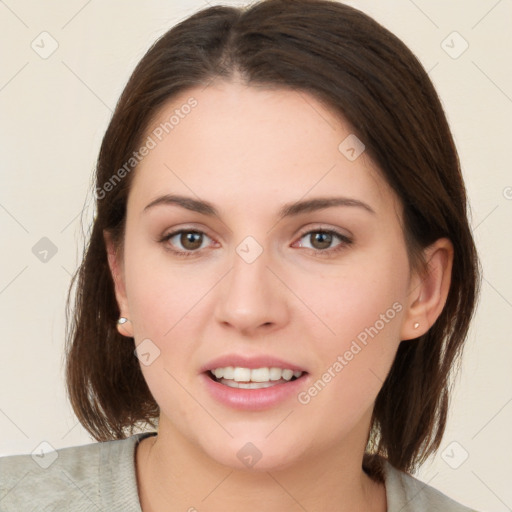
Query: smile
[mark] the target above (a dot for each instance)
(253, 388)
(255, 378)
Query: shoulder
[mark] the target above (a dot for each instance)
(87, 477)
(408, 494)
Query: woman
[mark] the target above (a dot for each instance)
(281, 235)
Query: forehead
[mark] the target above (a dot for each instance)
(273, 144)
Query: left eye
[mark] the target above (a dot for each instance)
(321, 240)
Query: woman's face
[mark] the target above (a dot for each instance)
(260, 276)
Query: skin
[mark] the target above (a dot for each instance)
(248, 151)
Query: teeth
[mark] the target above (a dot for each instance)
(229, 372)
(275, 373)
(219, 372)
(256, 375)
(287, 374)
(260, 375)
(242, 374)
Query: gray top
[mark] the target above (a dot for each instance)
(101, 477)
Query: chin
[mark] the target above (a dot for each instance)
(256, 456)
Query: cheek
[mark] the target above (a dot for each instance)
(166, 303)
(353, 297)
(352, 364)
(162, 296)
(361, 308)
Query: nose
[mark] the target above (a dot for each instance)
(251, 298)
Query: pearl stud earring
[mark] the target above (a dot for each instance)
(416, 325)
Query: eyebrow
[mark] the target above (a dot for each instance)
(287, 210)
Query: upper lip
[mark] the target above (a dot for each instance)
(252, 362)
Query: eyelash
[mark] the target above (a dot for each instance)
(345, 242)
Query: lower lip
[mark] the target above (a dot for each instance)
(253, 399)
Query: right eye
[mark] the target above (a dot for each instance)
(190, 240)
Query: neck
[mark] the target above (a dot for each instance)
(174, 474)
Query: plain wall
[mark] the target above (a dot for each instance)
(54, 112)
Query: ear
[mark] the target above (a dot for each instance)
(428, 290)
(117, 270)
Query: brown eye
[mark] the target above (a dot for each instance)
(321, 239)
(324, 241)
(185, 242)
(191, 240)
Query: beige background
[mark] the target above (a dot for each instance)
(54, 112)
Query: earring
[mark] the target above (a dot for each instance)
(123, 328)
(416, 325)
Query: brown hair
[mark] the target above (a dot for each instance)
(373, 81)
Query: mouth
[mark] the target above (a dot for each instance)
(254, 378)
